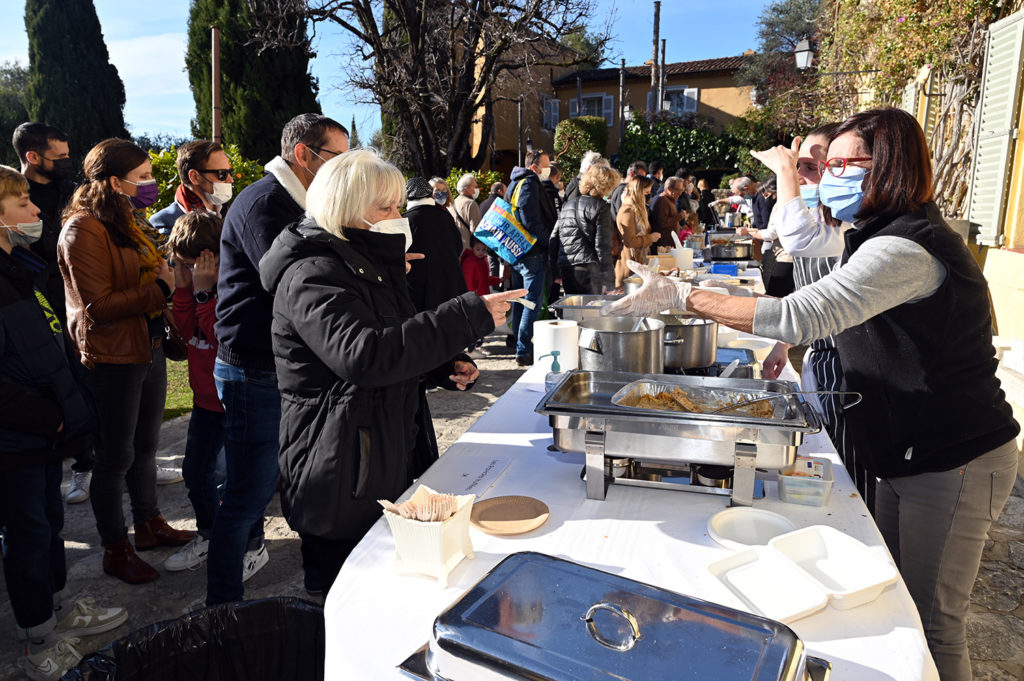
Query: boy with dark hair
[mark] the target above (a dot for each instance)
(195, 245)
(44, 418)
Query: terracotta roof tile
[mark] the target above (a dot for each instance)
(644, 71)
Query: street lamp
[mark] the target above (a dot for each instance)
(804, 54)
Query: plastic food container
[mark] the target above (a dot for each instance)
(801, 572)
(813, 490)
(740, 527)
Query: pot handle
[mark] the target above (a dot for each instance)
(675, 341)
(620, 646)
(589, 340)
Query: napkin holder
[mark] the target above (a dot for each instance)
(432, 548)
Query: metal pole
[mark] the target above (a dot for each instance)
(661, 77)
(654, 59)
(579, 95)
(215, 81)
(520, 107)
(622, 101)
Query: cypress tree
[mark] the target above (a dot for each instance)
(13, 79)
(71, 82)
(260, 92)
(353, 135)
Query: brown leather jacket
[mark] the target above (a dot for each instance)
(106, 306)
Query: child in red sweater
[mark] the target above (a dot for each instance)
(195, 245)
(476, 269)
(477, 272)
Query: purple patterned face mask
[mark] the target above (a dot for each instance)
(147, 193)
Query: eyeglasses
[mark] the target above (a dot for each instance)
(837, 166)
(329, 151)
(222, 173)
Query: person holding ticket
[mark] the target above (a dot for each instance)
(350, 350)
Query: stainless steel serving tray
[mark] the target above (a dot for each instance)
(538, 617)
(579, 307)
(591, 393)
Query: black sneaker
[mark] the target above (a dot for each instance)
(510, 341)
(524, 361)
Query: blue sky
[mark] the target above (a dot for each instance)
(147, 45)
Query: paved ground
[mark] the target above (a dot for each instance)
(996, 627)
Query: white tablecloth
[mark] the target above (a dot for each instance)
(375, 619)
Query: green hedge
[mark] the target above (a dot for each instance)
(583, 134)
(484, 180)
(675, 145)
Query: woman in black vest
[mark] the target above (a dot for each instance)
(910, 310)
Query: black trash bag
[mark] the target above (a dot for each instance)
(273, 639)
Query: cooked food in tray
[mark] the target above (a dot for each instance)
(677, 399)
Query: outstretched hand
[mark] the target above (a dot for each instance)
(656, 294)
(497, 304)
(780, 158)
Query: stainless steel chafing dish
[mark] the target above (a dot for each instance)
(584, 419)
(542, 618)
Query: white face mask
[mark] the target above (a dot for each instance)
(393, 226)
(544, 173)
(221, 193)
(476, 193)
(28, 233)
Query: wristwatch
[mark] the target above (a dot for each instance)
(204, 296)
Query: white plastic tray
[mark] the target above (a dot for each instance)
(801, 572)
(740, 527)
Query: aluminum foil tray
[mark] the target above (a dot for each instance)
(712, 397)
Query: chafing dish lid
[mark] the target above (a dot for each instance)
(538, 617)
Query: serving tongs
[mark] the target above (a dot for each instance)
(755, 400)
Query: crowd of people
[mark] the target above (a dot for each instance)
(318, 309)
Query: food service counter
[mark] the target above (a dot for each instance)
(375, 618)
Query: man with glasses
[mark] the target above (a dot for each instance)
(244, 371)
(206, 178)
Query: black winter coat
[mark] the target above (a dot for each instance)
(438, 277)
(584, 232)
(350, 350)
(39, 372)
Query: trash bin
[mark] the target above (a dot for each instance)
(273, 639)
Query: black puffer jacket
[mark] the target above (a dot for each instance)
(40, 375)
(584, 232)
(350, 350)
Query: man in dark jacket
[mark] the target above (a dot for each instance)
(46, 163)
(666, 218)
(636, 169)
(44, 418)
(244, 371)
(537, 213)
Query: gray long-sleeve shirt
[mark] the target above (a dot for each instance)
(883, 273)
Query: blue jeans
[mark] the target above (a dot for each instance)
(32, 510)
(252, 419)
(533, 270)
(205, 442)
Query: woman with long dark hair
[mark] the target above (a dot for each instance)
(909, 308)
(118, 283)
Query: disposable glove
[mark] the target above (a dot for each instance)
(733, 289)
(657, 293)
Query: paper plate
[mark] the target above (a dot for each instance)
(741, 527)
(509, 515)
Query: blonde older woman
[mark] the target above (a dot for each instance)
(350, 350)
(583, 234)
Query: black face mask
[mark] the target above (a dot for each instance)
(62, 169)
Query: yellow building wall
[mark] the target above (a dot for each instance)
(1013, 227)
(719, 98)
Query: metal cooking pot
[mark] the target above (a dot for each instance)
(632, 284)
(577, 308)
(690, 342)
(731, 252)
(633, 344)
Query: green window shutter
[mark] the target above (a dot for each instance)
(996, 128)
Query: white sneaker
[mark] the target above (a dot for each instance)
(78, 490)
(52, 663)
(190, 556)
(168, 476)
(253, 562)
(478, 353)
(87, 619)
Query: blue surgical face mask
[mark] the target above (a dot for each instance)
(843, 195)
(809, 193)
